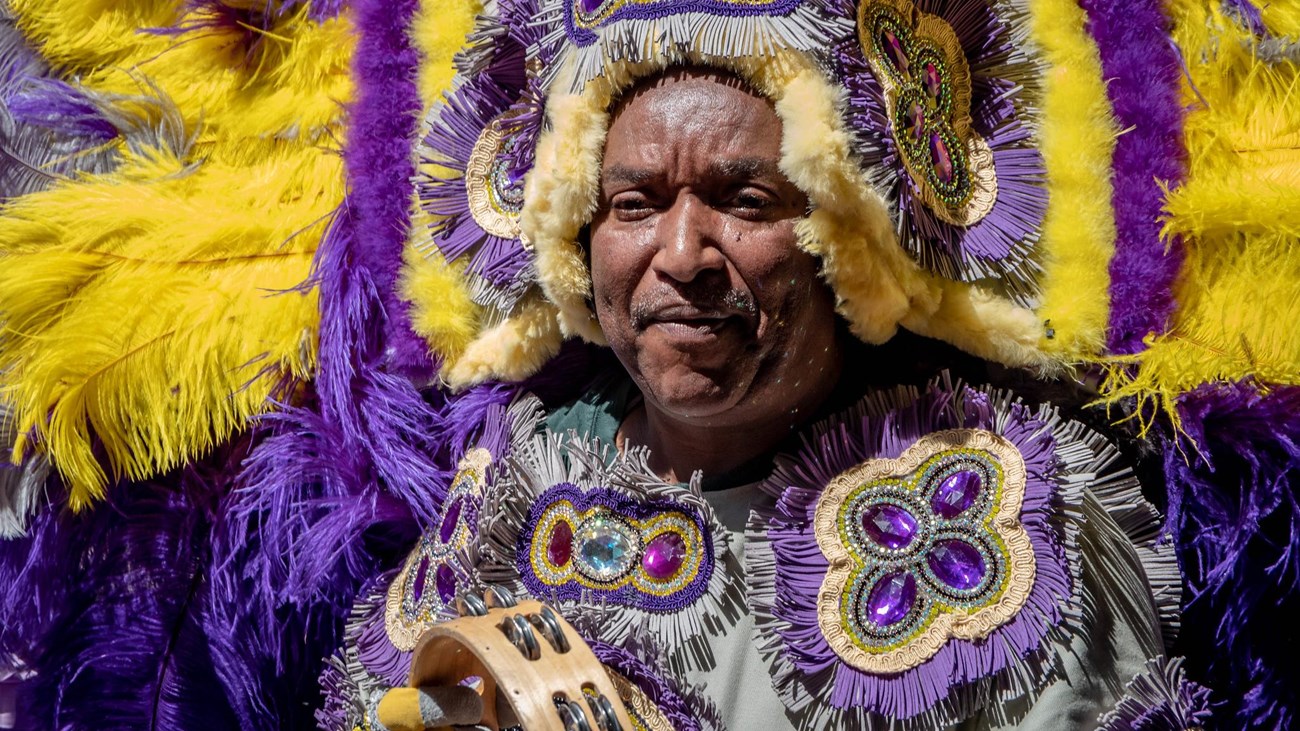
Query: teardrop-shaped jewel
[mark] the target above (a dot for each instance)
(891, 599)
(606, 548)
(421, 576)
(889, 526)
(941, 158)
(445, 580)
(449, 519)
(933, 84)
(957, 564)
(894, 51)
(955, 494)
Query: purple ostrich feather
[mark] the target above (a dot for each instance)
(1001, 244)
(1234, 510)
(1143, 77)
(800, 566)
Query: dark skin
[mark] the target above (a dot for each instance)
(720, 319)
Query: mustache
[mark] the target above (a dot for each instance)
(709, 301)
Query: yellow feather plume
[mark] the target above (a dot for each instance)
(1078, 139)
(156, 308)
(1236, 215)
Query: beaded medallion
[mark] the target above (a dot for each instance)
(919, 62)
(602, 543)
(428, 581)
(923, 548)
(494, 180)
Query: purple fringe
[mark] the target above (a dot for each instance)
(1234, 510)
(657, 687)
(1143, 82)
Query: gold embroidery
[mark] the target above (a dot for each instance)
(948, 623)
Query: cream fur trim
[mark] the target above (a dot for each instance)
(877, 285)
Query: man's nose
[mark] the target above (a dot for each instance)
(688, 244)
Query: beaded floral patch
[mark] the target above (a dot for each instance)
(429, 579)
(919, 63)
(923, 548)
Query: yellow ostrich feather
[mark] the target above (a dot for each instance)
(155, 308)
(1078, 140)
(1236, 215)
(240, 83)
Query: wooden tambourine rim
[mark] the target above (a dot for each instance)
(476, 646)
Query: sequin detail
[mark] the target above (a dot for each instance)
(922, 549)
(922, 69)
(598, 543)
(428, 581)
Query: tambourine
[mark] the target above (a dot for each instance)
(524, 654)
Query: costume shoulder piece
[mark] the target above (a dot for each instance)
(628, 559)
(920, 560)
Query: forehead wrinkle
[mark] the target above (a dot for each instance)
(617, 174)
(745, 168)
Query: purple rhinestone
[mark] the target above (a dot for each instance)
(894, 47)
(560, 549)
(933, 83)
(957, 564)
(941, 158)
(664, 556)
(446, 582)
(891, 599)
(421, 575)
(448, 527)
(889, 526)
(955, 494)
(589, 7)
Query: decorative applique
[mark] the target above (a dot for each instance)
(923, 548)
(943, 98)
(930, 540)
(616, 549)
(585, 16)
(920, 64)
(601, 545)
(428, 582)
(478, 145)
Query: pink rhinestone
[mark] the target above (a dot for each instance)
(560, 549)
(664, 556)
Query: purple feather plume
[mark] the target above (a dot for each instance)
(1141, 68)
(1234, 510)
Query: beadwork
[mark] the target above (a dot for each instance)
(597, 542)
(429, 578)
(920, 64)
(583, 17)
(922, 549)
(493, 184)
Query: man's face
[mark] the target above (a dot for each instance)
(699, 286)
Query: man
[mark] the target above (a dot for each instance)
(729, 346)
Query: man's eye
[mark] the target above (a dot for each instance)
(751, 201)
(629, 203)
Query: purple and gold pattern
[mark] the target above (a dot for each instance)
(929, 539)
(602, 544)
(942, 99)
(923, 548)
(920, 65)
(584, 17)
(428, 582)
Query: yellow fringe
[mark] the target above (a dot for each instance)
(1236, 215)
(1078, 140)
